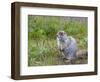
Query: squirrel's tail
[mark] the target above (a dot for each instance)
(81, 53)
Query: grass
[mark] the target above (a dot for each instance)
(42, 46)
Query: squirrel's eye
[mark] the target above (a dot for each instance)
(61, 33)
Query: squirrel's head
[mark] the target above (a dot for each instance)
(62, 36)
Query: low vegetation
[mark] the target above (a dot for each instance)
(42, 46)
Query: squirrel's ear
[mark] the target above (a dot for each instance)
(64, 32)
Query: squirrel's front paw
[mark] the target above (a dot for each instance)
(61, 50)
